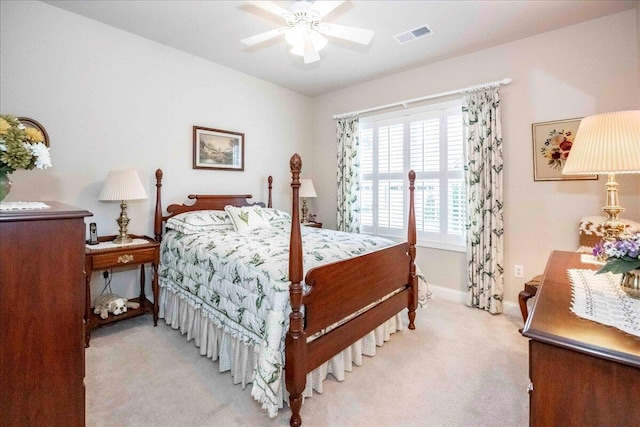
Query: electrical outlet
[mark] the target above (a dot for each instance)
(518, 271)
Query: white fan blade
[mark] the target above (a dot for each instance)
(324, 7)
(270, 6)
(353, 34)
(310, 54)
(262, 37)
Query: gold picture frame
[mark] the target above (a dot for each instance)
(217, 149)
(552, 143)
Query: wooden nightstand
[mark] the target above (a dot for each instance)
(312, 224)
(102, 257)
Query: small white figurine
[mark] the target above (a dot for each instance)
(112, 303)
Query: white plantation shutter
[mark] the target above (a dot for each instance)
(429, 141)
(456, 201)
(366, 168)
(455, 154)
(456, 208)
(425, 145)
(388, 204)
(366, 154)
(427, 196)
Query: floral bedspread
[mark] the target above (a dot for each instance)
(240, 281)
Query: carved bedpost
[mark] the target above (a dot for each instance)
(270, 181)
(411, 238)
(157, 225)
(296, 341)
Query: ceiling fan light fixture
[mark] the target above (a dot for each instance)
(297, 38)
(294, 35)
(304, 30)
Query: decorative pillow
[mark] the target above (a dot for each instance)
(592, 231)
(276, 216)
(247, 217)
(200, 222)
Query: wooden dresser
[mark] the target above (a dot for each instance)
(583, 373)
(42, 305)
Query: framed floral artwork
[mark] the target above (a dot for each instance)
(552, 143)
(217, 149)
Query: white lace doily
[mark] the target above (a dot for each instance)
(110, 245)
(599, 297)
(19, 206)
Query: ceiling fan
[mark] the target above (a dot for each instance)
(304, 30)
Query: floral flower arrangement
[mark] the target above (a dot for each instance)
(556, 148)
(623, 254)
(21, 147)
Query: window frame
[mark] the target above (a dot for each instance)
(443, 110)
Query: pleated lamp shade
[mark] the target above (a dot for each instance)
(307, 189)
(122, 185)
(606, 143)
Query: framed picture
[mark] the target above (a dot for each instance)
(217, 149)
(30, 123)
(552, 143)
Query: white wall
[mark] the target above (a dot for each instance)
(570, 72)
(113, 100)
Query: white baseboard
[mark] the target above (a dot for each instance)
(509, 308)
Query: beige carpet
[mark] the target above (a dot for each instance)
(460, 367)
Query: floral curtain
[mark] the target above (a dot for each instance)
(483, 178)
(348, 217)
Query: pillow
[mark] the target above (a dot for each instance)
(199, 222)
(247, 218)
(592, 231)
(275, 216)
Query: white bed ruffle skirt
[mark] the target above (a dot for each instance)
(241, 358)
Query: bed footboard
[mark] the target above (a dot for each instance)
(339, 290)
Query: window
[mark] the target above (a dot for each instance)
(429, 141)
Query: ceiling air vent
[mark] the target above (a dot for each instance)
(411, 35)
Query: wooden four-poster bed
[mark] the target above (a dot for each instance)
(337, 304)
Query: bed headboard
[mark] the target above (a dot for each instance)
(202, 202)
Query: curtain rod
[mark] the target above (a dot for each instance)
(404, 103)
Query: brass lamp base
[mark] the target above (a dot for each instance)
(305, 211)
(123, 222)
(612, 226)
(122, 240)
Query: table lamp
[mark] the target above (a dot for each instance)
(306, 190)
(607, 143)
(122, 185)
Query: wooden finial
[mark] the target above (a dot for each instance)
(295, 164)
